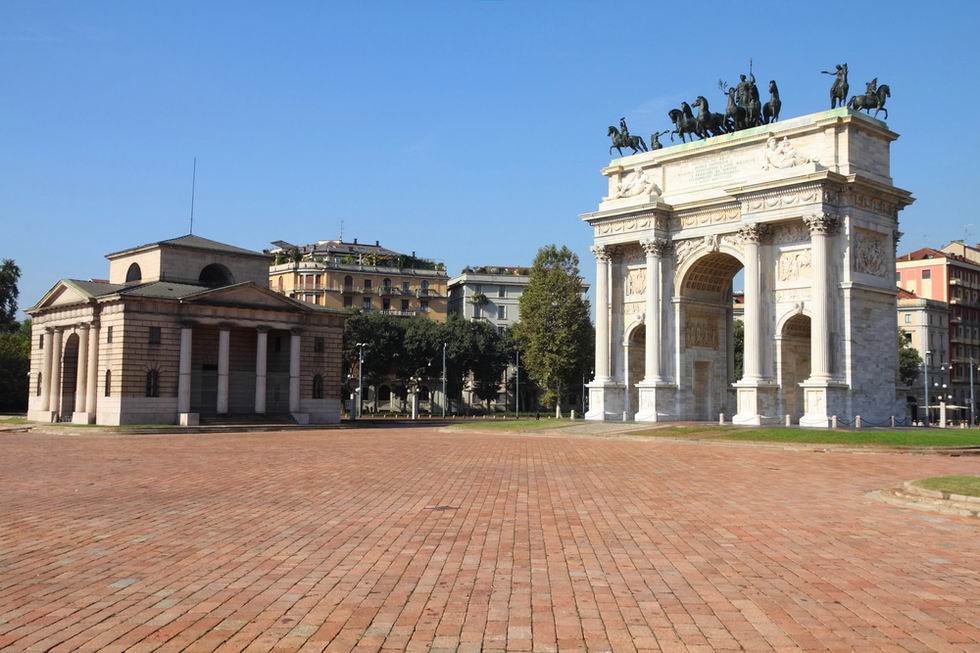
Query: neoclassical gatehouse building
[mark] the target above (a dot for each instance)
(182, 328)
(807, 210)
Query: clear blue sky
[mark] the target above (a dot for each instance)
(469, 132)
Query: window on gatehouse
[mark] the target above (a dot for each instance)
(318, 387)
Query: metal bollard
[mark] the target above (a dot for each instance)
(571, 415)
(892, 421)
(833, 421)
(789, 420)
(626, 417)
(857, 421)
(721, 419)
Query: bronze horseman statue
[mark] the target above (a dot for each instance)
(874, 98)
(622, 138)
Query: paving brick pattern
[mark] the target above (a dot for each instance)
(412, 539)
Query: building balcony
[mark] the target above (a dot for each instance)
(397, 313)
(428, 293)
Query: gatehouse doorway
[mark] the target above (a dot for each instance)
(69, 378)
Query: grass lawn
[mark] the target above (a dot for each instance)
(511, 424)
(13, 420)
(967, 485)
(903, 438)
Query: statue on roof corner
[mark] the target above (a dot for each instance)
(838, 90)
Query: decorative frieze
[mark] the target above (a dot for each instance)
(710, 217)
(793, 232)
(777, 200)
(626, 225)
(794, 265)
(701, 331)
(869, 253)
(636, 282)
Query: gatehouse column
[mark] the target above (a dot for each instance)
(184, 372)
(261, 360)
(224, 344)
(92, 370)
(56, 373)
(294, 357)
(822, 226)
(81, 371)
(601, 313)
(654, 250)
(48, 337)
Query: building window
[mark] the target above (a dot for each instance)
(501, 312)
(908, 337)
(134, 273)
(39, 377)
(405, 287)
(154, 335)
(348, 282)
(152, 383)
(501, 291)
(348, 302)
(279, 282)
(40, 342)
(366, 303)
(367, 285)
(386, 283)
(318, 387)
(277, 344)
(424, 306)
(927, 274)
(501, 330)
(318, 344)
(405, 305)
(425, 284)
(108, 382)
(108, 335)
(386, 304)
(908, 319)
(476, 310)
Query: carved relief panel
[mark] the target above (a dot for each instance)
(869, 253)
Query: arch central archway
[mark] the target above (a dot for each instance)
(706, 343)
(69, 377)
(793, 351)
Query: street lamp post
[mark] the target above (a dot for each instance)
(517, 385)
(445, 399)
(360, 377)
(925, 366)
(973, 417)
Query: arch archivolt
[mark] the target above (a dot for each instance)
(788, 314)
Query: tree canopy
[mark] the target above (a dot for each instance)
(555, 333)
(9, 276)
(909, 361)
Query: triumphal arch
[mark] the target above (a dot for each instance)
(807, 211)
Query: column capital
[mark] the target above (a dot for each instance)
(83, 325)
(655, 246)
(226, 326)
(755, 233)
(601, 253)
(48, 329)
(896, 236)
(822, 223)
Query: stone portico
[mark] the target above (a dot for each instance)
(182, 328)
(806, 209)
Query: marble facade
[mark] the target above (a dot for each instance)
(807, 210)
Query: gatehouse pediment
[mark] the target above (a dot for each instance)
(246, 294)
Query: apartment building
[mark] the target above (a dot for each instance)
(337, 274)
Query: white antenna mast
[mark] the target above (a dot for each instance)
(193, 188)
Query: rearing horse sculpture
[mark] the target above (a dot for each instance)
(735, 116)
(684, 122)
(708, 124)
(770, 110)
(876, 101)
(635, 143)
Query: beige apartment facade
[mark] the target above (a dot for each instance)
(183, 328)
(356, 276)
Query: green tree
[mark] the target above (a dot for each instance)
(384, 336)
(557, 338)
(738, 333)
(9, 276)
(15, 365)
(909, 361)
(488, 362)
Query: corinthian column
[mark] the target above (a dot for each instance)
(81, 370)
(46, 368)
(224, 346)
(92, 369)
(822, 226)
(655, 249)
(601, 312)
(751, 236)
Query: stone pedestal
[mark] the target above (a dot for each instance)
(82, 418)
(301, 418)
(756, 402)
(606, 400)
(821, 401)
(43, 416)
(189, 419)
(657, 402)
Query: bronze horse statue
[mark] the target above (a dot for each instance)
(838, 90)
(635, 143)
(876, 101)
(736, 117)
(770, 110)
(708, 124)
(684, 122)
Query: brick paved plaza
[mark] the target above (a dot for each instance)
(414, 539)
